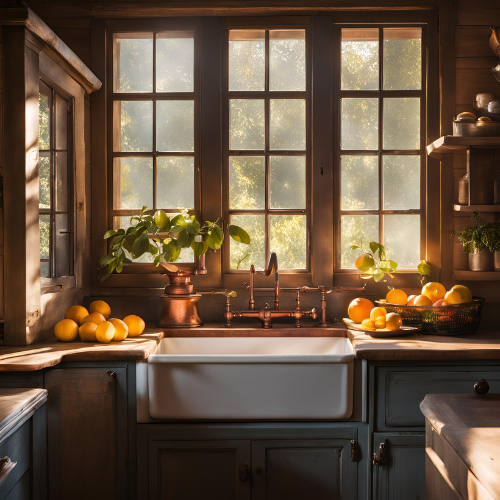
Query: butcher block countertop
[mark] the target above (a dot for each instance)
(480, 346)
(470, 425)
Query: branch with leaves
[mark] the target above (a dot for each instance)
(164, 238)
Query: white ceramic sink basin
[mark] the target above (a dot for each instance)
(251, 378)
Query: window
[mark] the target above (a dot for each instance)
(266, 146)
(55, 185)
(381, 140)
(154, 126)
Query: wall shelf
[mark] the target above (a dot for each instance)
(476, 208)
(455, 144)
(476, 275)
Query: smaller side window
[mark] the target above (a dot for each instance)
(55, 184)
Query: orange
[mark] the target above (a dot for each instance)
(135, 325)
(87, 332)
(411, 300)
(368, 324)
(393, 321)
(377, 311)
(105, 332)
(359, 309)
(380, 322)
(99, 306)
(96, 318)
(76, 313)
(396, 296)
(435, 291)
(66, 330)
(453, 297)
(422, 300)
(464, 292)
(364, 262)
(121, 329)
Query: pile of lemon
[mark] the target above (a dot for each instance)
(373, 318)
(433, 294)
(95, 326)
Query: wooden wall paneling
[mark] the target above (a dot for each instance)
(474, 80)
(22, 263)
(477, 12)
(1, 181)
(476, 62)
(472, 41)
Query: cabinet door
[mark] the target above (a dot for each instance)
(402, 476)
(195, 470)
(299, 469)
(87, 433)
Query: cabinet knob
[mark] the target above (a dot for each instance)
(243, 473)
(481, 387)
(258, 469)
(111, 374)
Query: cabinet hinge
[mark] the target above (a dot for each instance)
(383, 454)
(354, 451)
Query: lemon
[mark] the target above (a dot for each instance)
(396, 296)
(411, 300)
(121, 329)
(135, 325)
(94, 317)
(105, 332)
(393, 321)
(453, 297)
(161, 219)
(368, 324)
(422, 300)
(102, 307)
(66, 330)
(87, 332)
(378, 311)
(76, 313)
(464, 292)
(435, 291)
(380, 322)
(364, 262)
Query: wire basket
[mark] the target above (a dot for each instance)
(453, 319)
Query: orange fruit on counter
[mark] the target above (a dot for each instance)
(380, 322)
(368, 324)
(364, 262)
(464, 292)
(411, 300)
(359, 309)
(393, 321)
(396, 296)
(99, 306)
(66, 330)
(87, 332)
(94, 317)
(76, 313)
(135, 325)
(377, 311)
(121, 329)
(440, 303)
(453, 297)
(422, 300)
(105, 332)
(433, 290)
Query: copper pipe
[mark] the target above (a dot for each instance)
(251, 302)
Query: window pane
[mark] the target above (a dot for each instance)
(247, 181)
(247, 60)
(175, 125)
(402, 58)
(44, 182)
(62, 242)
(175, 182)
(135, 177)
(360, 59)
(243, 256)
(174, 62)
(61, 123)
(44, 223)
(246, 129)
(359, 182)
(133, 63)
(401, 182)
(287, 60)
(402, 239)
(135, 119)
(402, 123)
(356, 230)
(288, 238)
(359, 123)
(61, 181)
(288, 124)
(43, 122)
(288, 181)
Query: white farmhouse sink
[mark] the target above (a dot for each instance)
(250, 378)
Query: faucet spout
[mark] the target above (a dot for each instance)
(273, 266)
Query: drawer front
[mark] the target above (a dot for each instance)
(401, 390)
(17, 448)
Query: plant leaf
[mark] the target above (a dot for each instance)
(105, 276)
(178, 220)
(238, 234)
(354, 247)
(109, 233)
(199, 248)
(140, 246)
(374, 246)
(106, 259)
(184, 239)
(378, 276)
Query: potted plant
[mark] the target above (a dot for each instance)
(164, 237)
(491, 239)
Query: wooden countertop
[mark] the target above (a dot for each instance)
(471, 425)
(479, 346)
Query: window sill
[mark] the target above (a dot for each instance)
(54, 285)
